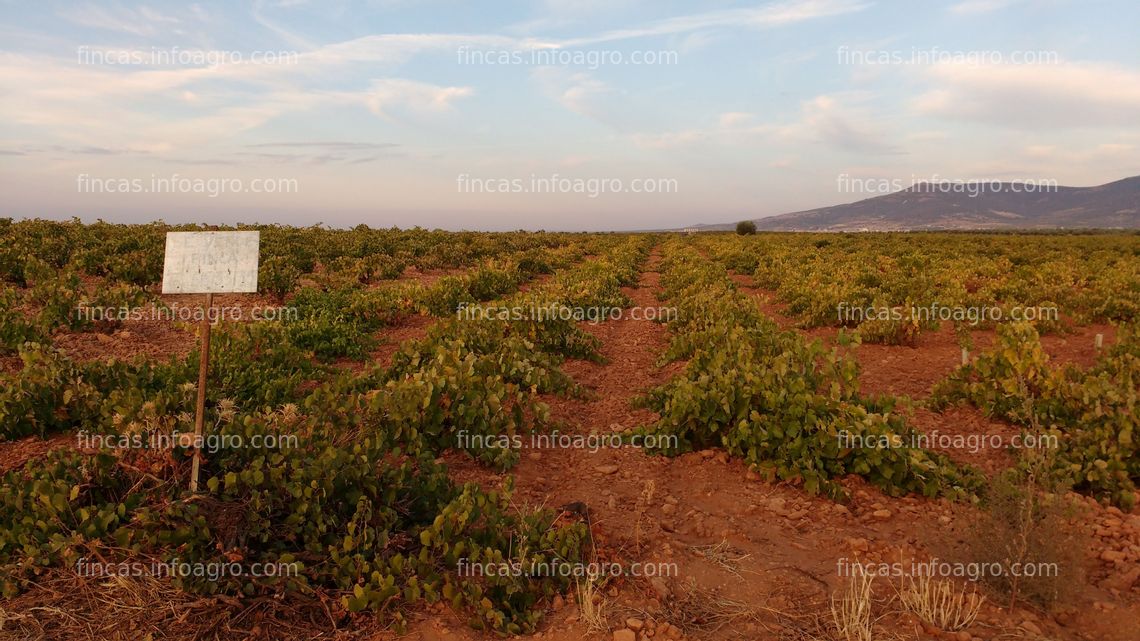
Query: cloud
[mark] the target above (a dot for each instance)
(970, 7)
(328, 145)
(389, 93)
(770, 15)
(731, 128)
(140, 22)
(1067, 95)
(847, 128)
(838, 121)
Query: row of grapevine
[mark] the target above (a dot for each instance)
(1094, 412)
(776, 400)
(357, 506)
(1086, 278)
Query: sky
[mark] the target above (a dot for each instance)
(553, 114)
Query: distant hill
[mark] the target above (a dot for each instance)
(930, 206)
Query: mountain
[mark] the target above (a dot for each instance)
(929, 206)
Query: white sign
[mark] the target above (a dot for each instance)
(205, 262)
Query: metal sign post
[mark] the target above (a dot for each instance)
(207, 263)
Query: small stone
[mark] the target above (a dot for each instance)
(625, 634)
(1030, 627)
(634, 624)
(534, 456)
(1112, 556)
(944, 520)
(660, 587)
(881, 514)
(859, 545)
(606, 469)
(668, 509)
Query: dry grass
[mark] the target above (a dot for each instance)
(940, 603)
(851, 613)
(129, 608)
(723, 555)
(591, 604)
(707, 611)
(644, 501)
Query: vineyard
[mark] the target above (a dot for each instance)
(782, 419)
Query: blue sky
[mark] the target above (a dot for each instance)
(388, 112)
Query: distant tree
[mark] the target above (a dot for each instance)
(746, 228)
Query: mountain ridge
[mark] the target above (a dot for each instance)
(979, 205)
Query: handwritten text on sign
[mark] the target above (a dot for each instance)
(204, 262)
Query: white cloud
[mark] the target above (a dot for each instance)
(1033, 96)
(770, 15)
(843, 126)
(970, 7)
(140, 22)
(409, 94)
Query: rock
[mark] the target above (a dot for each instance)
(707, 454)
(660, 587)
(102, 338)
(1112, 556)
(625, 634)
(944, 520)
(668, 509)
(751, 476)
(534, 456)
(881, 514)
(606, 469)
(1031, 628)
(1125, 581)
(962, 635)
(777, 505)
(558, 603)
(634, 624)
(859, 545)
(673, 632)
